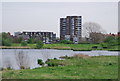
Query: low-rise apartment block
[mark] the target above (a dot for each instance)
(46, 37)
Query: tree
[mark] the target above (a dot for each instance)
(94, 31)
(90, 27)
(96, 37)
(118, 40)
(39, 44)
(111, 40)
(18, 39)
(6, 42)
(6, 39)
(32, 40)
(0, 41)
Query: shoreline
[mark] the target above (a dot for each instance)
(73, 66)
(6, 47)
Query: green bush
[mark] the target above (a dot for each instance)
(52, 64)
(17, 40)
(104, 45)
(6, 39)
(40, 62)
(95, 47)
(22, 67)
(55, 62)
(84, 43)
(66, 42)
(6, 42)
(118, 40)
(32, 41)
(23, 43)
(111, 41)
(39, 44)
(55, 58)
(0, 41)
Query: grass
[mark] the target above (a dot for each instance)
(75, 47)
(99, 67)
(70, 46)
(78, 47)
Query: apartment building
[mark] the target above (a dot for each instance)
(46, 37)
(71, 28)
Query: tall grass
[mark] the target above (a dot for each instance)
(98, 67)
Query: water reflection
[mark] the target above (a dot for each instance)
(16, 58)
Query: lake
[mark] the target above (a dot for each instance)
(11, 57)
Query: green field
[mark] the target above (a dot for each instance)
(99, 67)
(76, 47)
(79, 47)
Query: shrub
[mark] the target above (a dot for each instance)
(95, 47)
(22, 67)
(39, 44)
(55, 62)
(18, 40)
(31, 41)
(0, 41)
(104, 45)
(118, 40)
(6, 39)
(111, 41)
(52, 64)
(84, 43)
(40, 62)
(66, 42)
(55, 58)
(23, 43)
(6, 42)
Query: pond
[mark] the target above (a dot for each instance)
(11, 57)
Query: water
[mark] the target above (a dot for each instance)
(9, 57)
(98, 53)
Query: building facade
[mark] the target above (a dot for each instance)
(71, 28)
(46, 37)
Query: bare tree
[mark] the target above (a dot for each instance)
(22, 60)
(90, 27)
(93, 31)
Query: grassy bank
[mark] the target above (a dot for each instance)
(100, 67)
(80, 47)
(75, 47)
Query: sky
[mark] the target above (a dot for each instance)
(60, 0)
(45, 16)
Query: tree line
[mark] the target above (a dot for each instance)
(93, 33)
(6, 39)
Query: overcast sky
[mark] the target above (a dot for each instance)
(44, 16)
